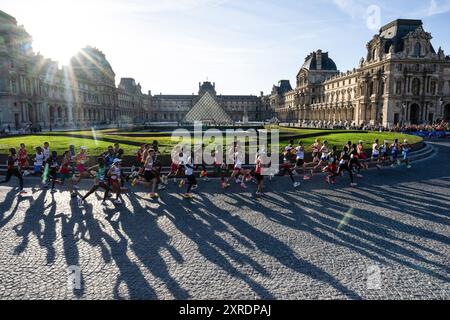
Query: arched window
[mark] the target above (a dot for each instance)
(417, 49)
(398, 87)
(416, 87)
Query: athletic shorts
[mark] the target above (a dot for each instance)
(37, 168)
(362, 156)
(149, 175)
(65, 176)
(300, 162)
(394, 154)
(173, 167)
(81, 168)
(23, 163)
(191, 179)
(324, 158)
(259, 177)
(375, 156)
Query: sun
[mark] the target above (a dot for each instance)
(59, 32)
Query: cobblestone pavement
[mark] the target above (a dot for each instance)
(386, 239)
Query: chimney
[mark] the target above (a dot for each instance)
(319, 59)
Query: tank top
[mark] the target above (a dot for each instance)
(300, 152)
(39, 159)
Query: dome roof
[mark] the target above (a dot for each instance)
(319, 60)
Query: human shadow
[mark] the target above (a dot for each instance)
(147, 240)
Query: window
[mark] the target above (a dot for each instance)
(417, 49)
(433, 87)
(416, 87)
(398, 87)
(13, 86)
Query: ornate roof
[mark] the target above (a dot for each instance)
(207, 109)
(394, 33)
(319, 60)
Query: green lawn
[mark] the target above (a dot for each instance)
(60, 141)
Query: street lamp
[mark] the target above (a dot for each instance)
(403, 112)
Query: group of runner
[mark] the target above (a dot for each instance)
(107, 173)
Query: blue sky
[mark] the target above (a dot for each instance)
(245, 46)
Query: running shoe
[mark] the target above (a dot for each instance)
(194, 187)
(154, 195)
(133, 168)
(409, 166)
(53, 190)
(161, 187)
(306, 177)
(134, 182)
(353, 184)
(297, 184)
(243, 186)
(225, 185)
(117, 201)
(187, 196)
(80, 202)
(378, 167)
(26, 173)
(258, 194)
(22, 193)
(327, 180)
(181, 184)
(360, 176)
(238, 181)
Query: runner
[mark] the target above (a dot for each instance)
(344, 165)
(376, 153)
(238, 171)
(114, 176)
(189, 173)
(109, 156)
(394, 153)
(65, 171)
(175, 166)
(384, 150)
(38, 161)
(316, 146)
(324, 151)
(53, 167)
(23, 160)
(260, 158)
(331, 169)
(354, 161)
(99, 171)
(81, 160)
(300, 160)
(406, 149)
(46, 151)
(14, 170)
(149, 176)
(362, 156)
(287, 167)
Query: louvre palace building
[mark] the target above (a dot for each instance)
(36, 92)
(403, 80)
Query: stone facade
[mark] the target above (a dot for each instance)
(35, 92)
(240, 108)
(403, 80)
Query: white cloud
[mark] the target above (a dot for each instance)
(438, 8)
(351, 8)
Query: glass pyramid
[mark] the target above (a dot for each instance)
(208, 110)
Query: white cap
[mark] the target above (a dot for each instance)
(83, 148)
(117, 160)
